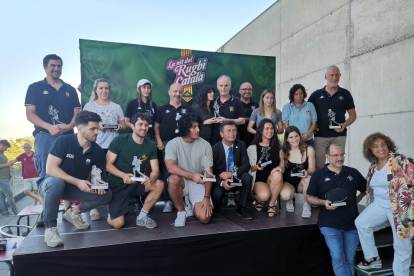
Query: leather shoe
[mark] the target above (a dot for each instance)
(242, 211)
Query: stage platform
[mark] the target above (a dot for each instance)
(228, 245)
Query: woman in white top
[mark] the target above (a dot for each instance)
(389, 198)
(110, 112)
(267, 109)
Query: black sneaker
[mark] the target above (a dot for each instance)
(138, 204)
(242, 211)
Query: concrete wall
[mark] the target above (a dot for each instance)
(371, 41)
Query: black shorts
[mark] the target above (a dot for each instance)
(118, 206)
(294, 181)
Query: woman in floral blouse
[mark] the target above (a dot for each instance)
(390, 183)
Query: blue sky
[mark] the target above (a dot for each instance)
(32, 29)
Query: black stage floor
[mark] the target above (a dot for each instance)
(228, 245)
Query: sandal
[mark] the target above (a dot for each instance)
(372, 264)
(271, 213)
(94, 213)
(258, 205)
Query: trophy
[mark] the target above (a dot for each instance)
(233, 170)
(111, 124)
(265, 156)
(296, 171)
(216, 108)
(205, 163)
(97, 182)
(136, 171)
(331, 116)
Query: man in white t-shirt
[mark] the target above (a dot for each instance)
(186, 157)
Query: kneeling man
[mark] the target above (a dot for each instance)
(68, 165)
(128, 154)
(231, 164)
(186, 156)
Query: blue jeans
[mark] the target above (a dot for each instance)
(6, 192)
(342, 246)
(54, 189)
(43, 142)
(166, 175)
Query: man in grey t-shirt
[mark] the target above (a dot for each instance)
(186, 158)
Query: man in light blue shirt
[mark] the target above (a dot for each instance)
(300, 113)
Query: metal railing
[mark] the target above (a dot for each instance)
(18, 182)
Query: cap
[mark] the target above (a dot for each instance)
(142, 82)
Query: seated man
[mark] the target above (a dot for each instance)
(231, 161)
(120, 165)
(68, 165)
(184, 156)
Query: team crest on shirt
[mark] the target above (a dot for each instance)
(341, 98)
(350, 178)
(167, 111)
(45, 92)
(231, 108)
(321, 97)
(88, 161)
(327, 179)
(182, 110)
(67, 94)
(308, 112)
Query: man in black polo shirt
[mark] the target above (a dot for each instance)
(51, 105)
(69, 164)
(337, 223)
(226, 107)
(166, 129)
(249, 105)
(331, 104)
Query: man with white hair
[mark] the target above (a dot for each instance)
(326, 100)
(29, 173)
(226, 107)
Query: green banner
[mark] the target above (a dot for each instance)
(125, 64)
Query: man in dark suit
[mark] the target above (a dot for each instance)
(230, 159)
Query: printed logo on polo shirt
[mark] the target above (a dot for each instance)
(231, 108)
(308, 112)
(167, 111)
(70, 156)
(88, 161)
(341, 98)
(350, 178)
(327, 179)
(45, 92)
(139, 107)
(182, 110)
(67, 94)
(321, 97)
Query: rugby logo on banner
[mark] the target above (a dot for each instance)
(187, 72)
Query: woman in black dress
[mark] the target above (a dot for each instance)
(267, 180)
(296, 157)
(204, 108)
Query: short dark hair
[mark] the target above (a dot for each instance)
(186, 122)
(84, 117)
(5, 143)
(227, 123)
(140, 115)
(328, 148)
(49, 57)
(293, 90)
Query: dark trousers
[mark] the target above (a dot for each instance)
(217, 192)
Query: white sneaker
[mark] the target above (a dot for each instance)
(289, 206)
(168, 207)
(52, 238)
(189, 207)
(147, 222)
(306, 213)
(77, 220)
(180, 220)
